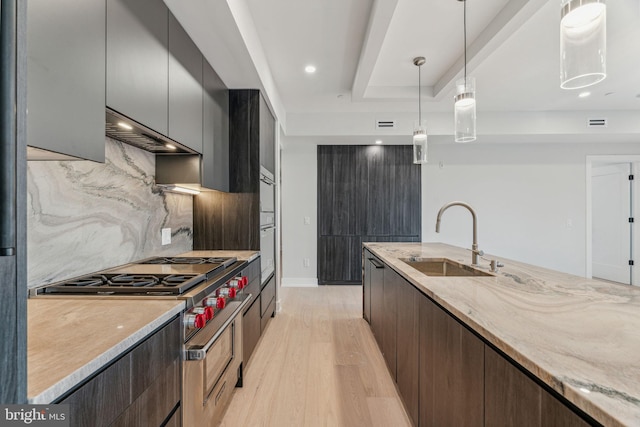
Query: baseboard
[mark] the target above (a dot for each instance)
(299, 282)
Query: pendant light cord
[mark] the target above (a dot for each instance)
(419, 97)
(465, 42)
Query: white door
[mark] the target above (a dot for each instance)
(611, 210)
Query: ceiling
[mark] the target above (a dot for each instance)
(363, 52)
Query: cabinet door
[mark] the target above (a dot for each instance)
(377, 298)
(215, 141)
(392, 281)
(451, 370)
(556, 414)
(366, 286)
(407, 374)
(185, 87)
(66, 74)
(267, 137)
(137, 58)
(250, 330)
(511, 398)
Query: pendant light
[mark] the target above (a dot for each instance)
(465, 99)
(583, 43)
(420, 154)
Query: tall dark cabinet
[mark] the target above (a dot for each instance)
(366, 193)
(13, 190)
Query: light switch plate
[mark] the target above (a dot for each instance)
(166, 236)
(307, 220)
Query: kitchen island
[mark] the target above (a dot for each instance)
(578, 338)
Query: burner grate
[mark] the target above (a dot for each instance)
(134, 280)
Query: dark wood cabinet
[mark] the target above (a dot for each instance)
(250, 330)
(451, 370)
(66, 75)
(377, 298)
(137, 61)
(445, 374)
(365, 194)
(185, 88)
(408, 327)
(215, 141)
(513, 398)
(141, 388)
(391, 283)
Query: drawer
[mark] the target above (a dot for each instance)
(253, 288)
(267, 294)
(266, 317)
(250, 330)
(218, 357)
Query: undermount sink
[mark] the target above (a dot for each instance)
(443, 267)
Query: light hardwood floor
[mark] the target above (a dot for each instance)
(317, 365)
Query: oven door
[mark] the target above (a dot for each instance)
(213, 367)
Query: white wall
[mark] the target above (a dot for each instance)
(299, 200)
(530, 200)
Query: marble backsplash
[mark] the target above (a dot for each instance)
(85, 216)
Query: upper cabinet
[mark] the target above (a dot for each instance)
(66, 74)
(267, 137)
(137, 59)
(215, 143)
(185, 88)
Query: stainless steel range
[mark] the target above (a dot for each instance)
(212, 289)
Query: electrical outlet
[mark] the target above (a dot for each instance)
(307, 220)
(306, 262)
(166, 236)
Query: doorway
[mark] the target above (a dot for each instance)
(612, 237)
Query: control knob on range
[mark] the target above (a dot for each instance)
(207, 311)
(195, 320)
(217, 302)
(235, 284)
(226, 292)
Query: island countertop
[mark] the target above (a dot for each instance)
(579, 336)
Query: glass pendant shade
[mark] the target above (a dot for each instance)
(583, 43)
(465, 110)
(420, 153)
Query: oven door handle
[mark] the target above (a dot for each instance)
(200, 353)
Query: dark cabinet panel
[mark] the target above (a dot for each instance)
(511, 398)
(267, 295)
(66, 75)
(366, 285)
(250, 330)
(451, 371)
(185, 88)
(340, 256)
(142, 388)
(407, 374)
(392, 281)
(366, 192)
(137, 58)
(267, 137)
(377, 299)
(215, 142)
(556, 414)
(244, 141)
(271, 309)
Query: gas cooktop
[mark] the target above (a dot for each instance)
(127, 283)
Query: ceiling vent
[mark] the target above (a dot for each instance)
(385, 124)
(597, 123)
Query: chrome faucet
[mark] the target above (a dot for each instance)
(474, 247)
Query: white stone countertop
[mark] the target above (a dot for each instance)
(579, 336)
(241, 255)
(68, 340)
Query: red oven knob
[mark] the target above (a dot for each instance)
(244, 280)
(236, 284)
(208, 312)
(220, 302)
(195, 320)
(232, 292)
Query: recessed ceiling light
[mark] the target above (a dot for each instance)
(583, 94)
(310, 69)
(378, 141)
(124, 125)
(170, 146)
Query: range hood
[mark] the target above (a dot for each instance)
(178, 168)
(133, 133)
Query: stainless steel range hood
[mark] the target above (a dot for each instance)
(133, 133)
